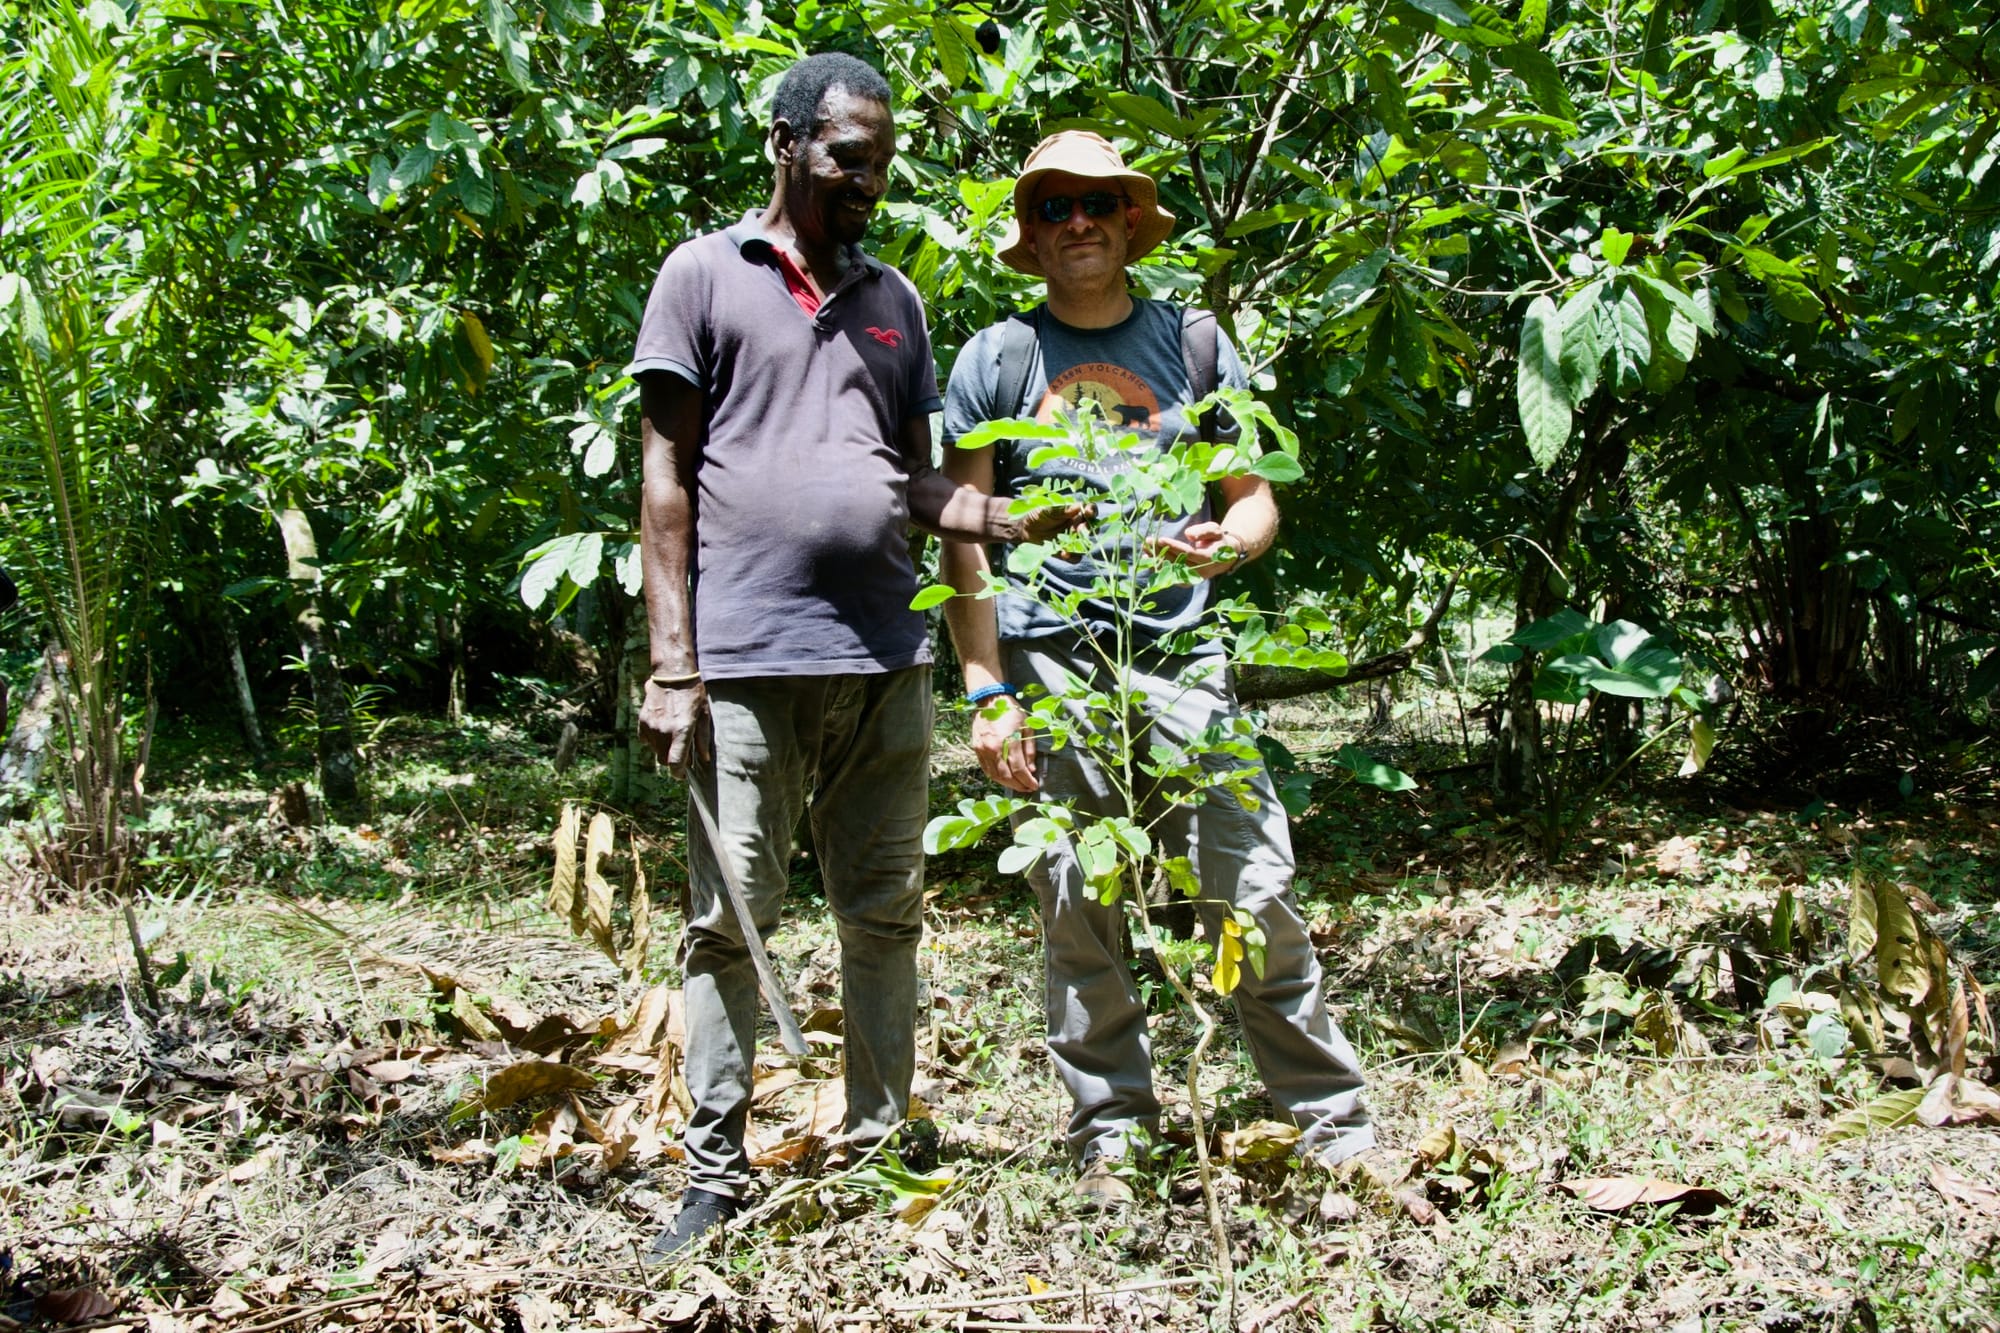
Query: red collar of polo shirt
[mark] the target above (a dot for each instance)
(751, 229)
(796, 282)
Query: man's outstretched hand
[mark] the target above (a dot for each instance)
(1005, 751)
(1046, 523)
(673, 721)
(1207, 549)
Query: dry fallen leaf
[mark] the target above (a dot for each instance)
(75, 1305)
(227, 1303)
(1613, 1194)
(1263, 1141)
(1437, 1146)
(1959, 1101)
(1981, 1198)
(1420, 1210)
(1259, 1320)
(531, 1078)
(1338, 1208)
(472, 1150)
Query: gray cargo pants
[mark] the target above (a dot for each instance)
(861, 745)
(1098, 1037)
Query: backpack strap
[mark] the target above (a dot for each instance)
(1200, 353)
(1018, 342)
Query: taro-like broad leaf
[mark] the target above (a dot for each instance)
(1650, 673)
(1373, 771)
(1563, 632)
(1562, 680)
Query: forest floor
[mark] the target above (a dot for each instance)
(384, 1088)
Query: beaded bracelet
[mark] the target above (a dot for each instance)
(985, 692)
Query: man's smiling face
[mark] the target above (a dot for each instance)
(834, 179)
(1080, 248)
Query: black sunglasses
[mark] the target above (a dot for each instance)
(1096, 204)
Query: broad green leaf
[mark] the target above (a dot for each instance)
(1413, 351)
(1147, 113)
(1734, 163)
(505, 30)
(1562, 680)
(475, 191)
(935, 594)
(949, 833)
(954, 59)
(1614, 245)
(1541, 77)
(1786, 284)
(1278, 469)
(414, 168)
(1650, 673)
(448, 132)
(1534, 19)
(628, 566)
(1630, 343)
(1582, 342)
(1563, 632)
(1351, 290)
(1373, 771)
(1015, 859)
(547, 564)
(1442, 10)
(1539, 388)
(1011, 428)
(1271, 217)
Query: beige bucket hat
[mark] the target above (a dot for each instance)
(1082, 153)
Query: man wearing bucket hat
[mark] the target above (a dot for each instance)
(1080, 217)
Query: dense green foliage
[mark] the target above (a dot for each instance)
(1675, 314)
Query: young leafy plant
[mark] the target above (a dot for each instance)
(1582, 664)
(1113, 573)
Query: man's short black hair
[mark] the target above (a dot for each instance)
(805, 86)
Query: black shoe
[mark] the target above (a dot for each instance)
(702, 1211)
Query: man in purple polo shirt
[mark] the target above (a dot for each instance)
(786, 383)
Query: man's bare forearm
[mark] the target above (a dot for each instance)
(958, 513)
(670, 426)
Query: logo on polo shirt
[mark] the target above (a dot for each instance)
(887, 337)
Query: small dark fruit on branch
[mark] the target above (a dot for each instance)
(988, 34)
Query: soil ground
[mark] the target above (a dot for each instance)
(385, 1088)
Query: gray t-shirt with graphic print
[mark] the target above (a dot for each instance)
(1136, 375)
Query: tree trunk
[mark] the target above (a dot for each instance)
(1518, 748)
(451, 639)
(246, 704)
(34, 732)
(635, 779)
(339, 764)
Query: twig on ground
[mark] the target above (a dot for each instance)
(1027, 1298)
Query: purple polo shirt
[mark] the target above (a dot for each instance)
(802, 559)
